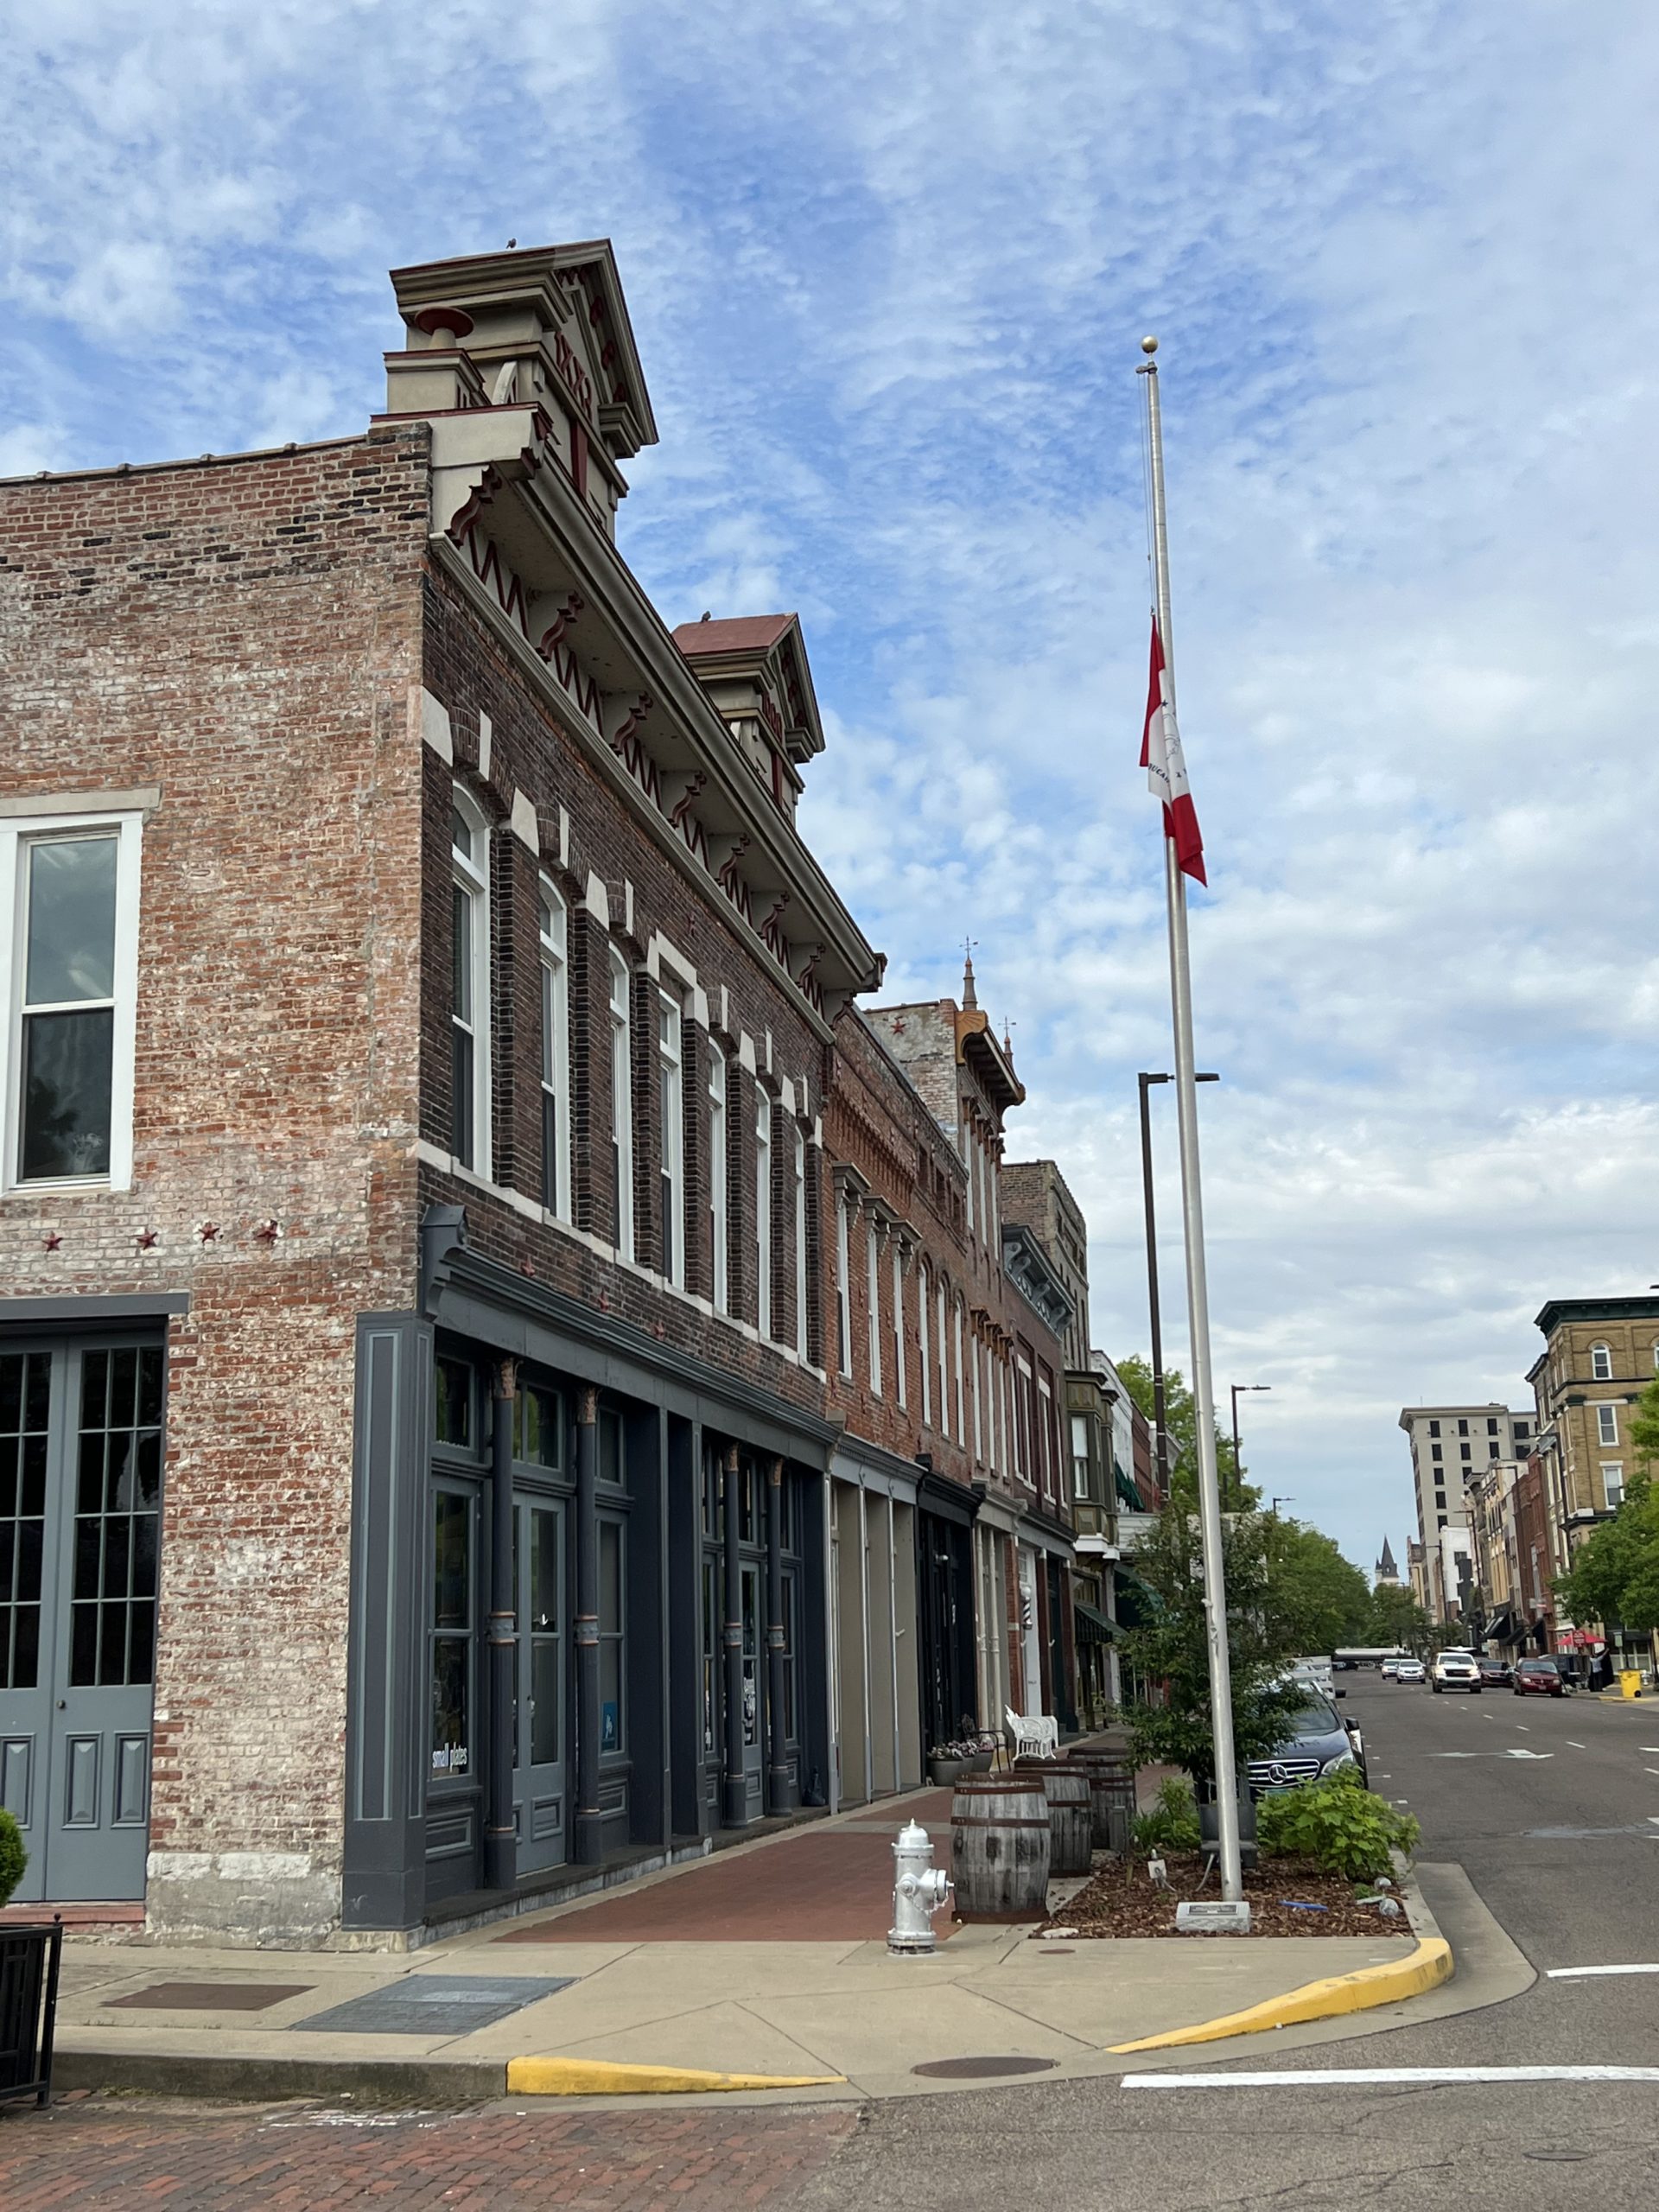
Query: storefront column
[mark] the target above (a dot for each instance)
(589, 1838)
(734, 1796)
(777, 1758)
(500, 1842)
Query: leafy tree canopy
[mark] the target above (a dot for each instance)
(1181, 1417)
(1614, 1578)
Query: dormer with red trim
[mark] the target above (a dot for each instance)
(754, 669)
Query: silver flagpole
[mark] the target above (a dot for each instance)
(1197, 1294)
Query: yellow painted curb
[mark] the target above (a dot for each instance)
(603, 2077)
(1425, 1968)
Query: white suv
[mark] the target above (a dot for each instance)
(1454, 1670)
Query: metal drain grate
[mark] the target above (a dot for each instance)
(209, 1996)
(435, 2004)
(982, 2069)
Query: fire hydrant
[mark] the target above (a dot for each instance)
(919, 1889)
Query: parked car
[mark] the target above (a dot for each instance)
(1410, 1671)
(1494, 1673)
(1390, 1669)
(1455, 1670)
(1317, 1742)
(1539, 1678)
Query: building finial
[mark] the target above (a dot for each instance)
(968, 996)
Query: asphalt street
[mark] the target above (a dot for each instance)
(1562, 1845)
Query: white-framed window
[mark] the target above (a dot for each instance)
(925, 1353)
(968, 1162)
(670, 1085)
(717, 1174)
(1079, 1455)
(556, 1053)
(956, 1346)
(979, 1409)
(1612, 1480)
(944, 1360)
(800, 1240)
(844, 1295)
(873, 1274)
(1655, 1358)
(1606, 1424)
(762, 1211)
(898, 1377)
(1601, 1363)
(69, 991)
(1046, 1418)
(622, 1106)
(469, 987)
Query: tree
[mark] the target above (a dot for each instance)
(1264, 1635)
(1324, 1594)
(1181, 1419)
(1396, 1619)
(1644, 1427)
(1614, 1578)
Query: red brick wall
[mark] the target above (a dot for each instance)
(246, 636)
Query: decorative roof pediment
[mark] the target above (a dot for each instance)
(1029, 1268)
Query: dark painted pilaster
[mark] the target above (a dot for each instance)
(685, 1625)
(500, 1841)
(589, 1840)
(735, 1806)
(778, 1790)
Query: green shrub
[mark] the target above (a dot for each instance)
(1338, 1823)
(1172, 1823)
(13, 1857)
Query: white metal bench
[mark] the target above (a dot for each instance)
(1037, 1733)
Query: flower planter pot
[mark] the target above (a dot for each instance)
(943, 1771)
(28, 2003)
(980, 1762)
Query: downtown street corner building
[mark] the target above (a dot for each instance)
(426, 1280)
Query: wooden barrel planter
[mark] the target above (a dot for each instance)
(1111, 1797)
(1070, 1822)
(1000, 1846)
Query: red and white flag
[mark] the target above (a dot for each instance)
(1165, 767)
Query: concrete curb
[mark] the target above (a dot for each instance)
(1424, 1970)
(363, 2081)
(599, 2077)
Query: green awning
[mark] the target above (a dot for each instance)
(1134, 1603)
(1127, 1493)
(1093, 1627)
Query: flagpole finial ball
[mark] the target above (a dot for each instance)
(1148, 345)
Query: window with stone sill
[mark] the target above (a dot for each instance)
(469, 987)
(68, 982)
(556, 1053)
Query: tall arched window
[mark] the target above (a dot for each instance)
(556, 1055)
(944, 1361)
(762, 1211)
(670, 1085)
(717, 1171)
(621, 1107)
(469, 993)
(1601, 1363)
(800, 1242)
(924, 1349)
(962, 1425)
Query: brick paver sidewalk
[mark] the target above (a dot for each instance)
(213, 2159)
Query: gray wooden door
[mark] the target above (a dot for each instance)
(80, 1497)
(754, 1732)
(541, 1791)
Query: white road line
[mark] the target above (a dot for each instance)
(1522, 1726)
(1650, 1769)
(1648, 1747)
(1573, 1746)
(1385, 2076)
(1586, 1973)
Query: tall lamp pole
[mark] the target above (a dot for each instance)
(1238, 1467)
(1159, 1422)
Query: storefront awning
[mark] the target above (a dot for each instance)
(1127, 1493)
(1501, 1627)
(1093, 1627)
(1135, 1602)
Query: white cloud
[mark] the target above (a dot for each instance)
(887, 262)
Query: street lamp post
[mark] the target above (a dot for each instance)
(1159, 1424)
(1238, 1388)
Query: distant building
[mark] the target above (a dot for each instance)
(1450, 1446)
(1387, 1574)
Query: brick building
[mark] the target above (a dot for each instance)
(412, 1351)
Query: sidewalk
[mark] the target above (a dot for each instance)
(768, 1960)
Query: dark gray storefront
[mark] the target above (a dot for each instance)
(586, 1598)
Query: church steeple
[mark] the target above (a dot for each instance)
(1387, 1572)
(970, 998)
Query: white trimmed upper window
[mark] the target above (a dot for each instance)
(979, 1401)
(556, 1053)
(621, 1107)
(717, 1172)
(898, 1388)
(470, 989)
(843, 1314)
(924, 1357)
(961, 1422)
(800, 1243)
(762, 1211)
(873, 1274)
(944, 1361)
(1606, 1424)
(670, 1083)
(69, 976)
(1612, 1481)
(1601, 1363)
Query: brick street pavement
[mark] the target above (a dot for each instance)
(90, 2152)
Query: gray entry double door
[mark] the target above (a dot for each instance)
(80, 1497)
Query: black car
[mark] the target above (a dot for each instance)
(1495, 1673)
(1317, 1742)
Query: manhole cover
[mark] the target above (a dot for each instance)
(981, 2070)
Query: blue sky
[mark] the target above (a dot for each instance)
(887, 266)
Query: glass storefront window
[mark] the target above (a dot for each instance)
(538, 1427)
(612, 1713)
(451, 1634)
(545, 1632)
(710, 1654)
(117, 1518)
(454, 1422)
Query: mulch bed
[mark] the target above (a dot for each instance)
(1119, 1900)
